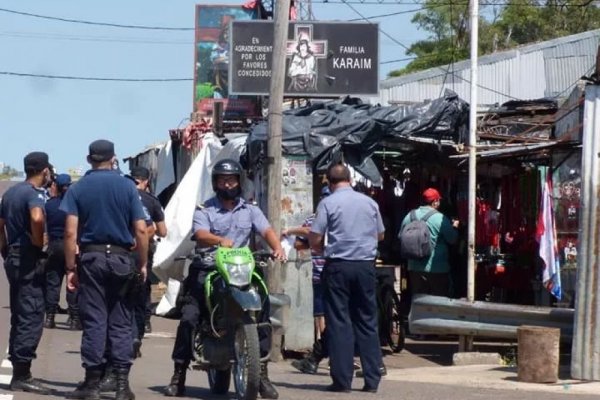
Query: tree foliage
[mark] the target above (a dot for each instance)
(502, 26)
(8, 172)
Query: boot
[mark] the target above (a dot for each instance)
(147, 325)
(74, 322)
(123, 390)
(382, 370)
(137, 346)
(310, 363)
(266, 388)
(49, 322)
(89, 389)
(22, 381)
(177, 386)
(108, 383)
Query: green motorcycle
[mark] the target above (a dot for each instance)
(228, 344)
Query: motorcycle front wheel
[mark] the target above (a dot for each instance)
(218, 380)
(246, 366)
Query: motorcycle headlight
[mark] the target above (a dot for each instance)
(239, 274)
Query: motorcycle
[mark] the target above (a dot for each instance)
(227, 345)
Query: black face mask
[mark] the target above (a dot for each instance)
(229, 194)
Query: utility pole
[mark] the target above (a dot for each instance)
(275, 132)
(466, 342)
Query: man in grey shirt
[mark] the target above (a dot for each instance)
(353, 226)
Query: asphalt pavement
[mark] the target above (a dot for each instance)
(421, 371)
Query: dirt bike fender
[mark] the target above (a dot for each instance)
(248, 300)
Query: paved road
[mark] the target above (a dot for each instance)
(59, 365)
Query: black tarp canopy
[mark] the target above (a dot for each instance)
(352, 131)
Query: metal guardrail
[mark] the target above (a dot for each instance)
(441, 315)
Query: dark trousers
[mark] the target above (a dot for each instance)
(140, 310)
(142, 307)
(25, 275)
(351, 318)
(55, 272)
(194, 311)
(105, 310)
(435, 284)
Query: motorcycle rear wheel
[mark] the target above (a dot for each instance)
(246, 366)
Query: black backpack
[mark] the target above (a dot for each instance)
(415, 239)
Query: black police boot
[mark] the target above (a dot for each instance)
(74, 322)
(49, 323)
(22, 381)
(310, 363)
(147, 325)
(137, 346)
(123, 390)
(89, 389)
(108, 383)
(382, 370)
(266, 388)
(177, 386)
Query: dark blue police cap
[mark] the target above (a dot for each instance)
(140, 172)
(101, 150)
(63, 180)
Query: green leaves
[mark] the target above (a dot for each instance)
(503, 25)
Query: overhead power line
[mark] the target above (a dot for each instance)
(87, 78)
(86, 38)
(166, 28)
(80, 21)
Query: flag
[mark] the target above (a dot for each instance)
(546, 237)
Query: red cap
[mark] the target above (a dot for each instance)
(430, 195)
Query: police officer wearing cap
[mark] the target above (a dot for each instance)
(55, 266)
(432, 275)
(224, 220)
(155, 221)
(353, 226)
(22, 223)
(103, 209)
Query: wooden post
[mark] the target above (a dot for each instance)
(538, 354)
(275, 132)
(218, 118)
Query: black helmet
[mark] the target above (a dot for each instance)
(226, 167)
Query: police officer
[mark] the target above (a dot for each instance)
(103, 209)
(22, 222)
(224, 220)
(353, 226)
(55, 266)
(156, 226)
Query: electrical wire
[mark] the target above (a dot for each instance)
(86, 78)
(58, 36)
(80, 21)
(440, 68)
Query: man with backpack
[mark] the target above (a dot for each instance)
(424, 239)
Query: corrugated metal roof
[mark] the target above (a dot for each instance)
(544, 69)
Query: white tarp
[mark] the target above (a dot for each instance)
(164, 168)
(192, 190)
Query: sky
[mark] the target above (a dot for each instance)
(61, 117)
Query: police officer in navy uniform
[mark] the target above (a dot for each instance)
(353, 226)
(22, 223)
(103, 209)
(224, 220)
(55, 266)
(156, 226)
